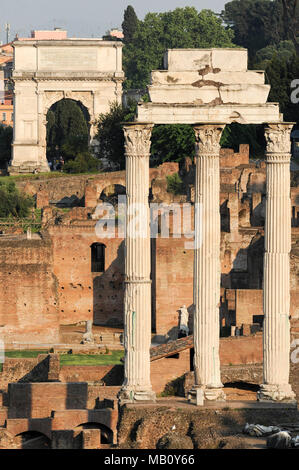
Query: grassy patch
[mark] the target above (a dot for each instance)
(91, 360)
(24, 353)
(72, 359)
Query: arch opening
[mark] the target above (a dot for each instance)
(33, 440)
(68, 125)
(106, 433)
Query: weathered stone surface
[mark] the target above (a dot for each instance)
(89, 71)
(207, 247)
(207, 86)
(137, 301)
(276, 332)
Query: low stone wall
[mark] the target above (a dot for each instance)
(15, 369)
(56, 188)
(107, 375)
(241, 349)
(37, 400)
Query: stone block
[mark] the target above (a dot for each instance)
(224, 59)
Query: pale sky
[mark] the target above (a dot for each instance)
(83, 18)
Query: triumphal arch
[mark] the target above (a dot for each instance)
(208, 88)
(88, 71)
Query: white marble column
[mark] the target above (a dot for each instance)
(207, 268)
(276, 330)
(137, 304)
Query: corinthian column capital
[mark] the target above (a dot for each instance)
(137, 139)
(278, 142)
(207, 139)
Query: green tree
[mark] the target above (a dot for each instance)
(235, 134)
(278, 77)
(129, 24)
(110, 133)
(291, 21)
(280, 73)
(12, 202)
(256, 23)
(180, 28)
(6, 136)
(84, 162)
(284, 51)
(66, 122)
(169, 142)
(172, 143)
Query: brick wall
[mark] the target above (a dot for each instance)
(241, 350)
(173, 282)
(230, 159)
(28, 295)
(84, 295)
(249, 302)
(37, 400)
(110, 375)
(167, 369)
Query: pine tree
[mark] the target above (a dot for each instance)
(129, 24)
(277, 76)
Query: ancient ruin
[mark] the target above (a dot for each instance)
(88, 71)
(86, 284)
(209, 103)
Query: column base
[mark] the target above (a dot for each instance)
(136, 396)
(278, 393)
(197, 395)
(28, 167)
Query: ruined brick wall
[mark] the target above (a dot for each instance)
(84, 295)
(56, 188)
(231, 159)
(95, 186)
(165, 370)
(28, 295)
(37, 400)
(108, 375)
(241, 350)
(37, 273)
(14, 369)
(172, 282)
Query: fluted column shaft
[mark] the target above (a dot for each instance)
(276, 293)
(207, 261)
(137, 303)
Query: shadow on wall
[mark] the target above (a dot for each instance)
(257, 217)
(30, 416)
(247, 273)
(108, 292)
(247, 266)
